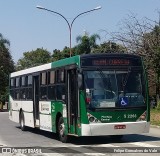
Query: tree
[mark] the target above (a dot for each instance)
(57, 55)
(142, 37)
(86, 43)
(65, 53)
(109, 47)
(153, 45)
(6, 67)
(33, 58)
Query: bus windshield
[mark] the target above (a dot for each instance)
(116, 88)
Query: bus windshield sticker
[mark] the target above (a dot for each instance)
(87, 90)
(107, 104)
(124, 101)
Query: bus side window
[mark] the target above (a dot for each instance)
(23, 90)
(12, 83)
(51, 85)
(17, 82)
(43, 86)
(29, 87)
(60, 85)
(60, 76)
(51, 77)
(17, 89)
(12, 86)
(60, 90)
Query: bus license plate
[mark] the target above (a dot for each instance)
(120, 127)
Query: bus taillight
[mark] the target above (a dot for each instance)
(88, 100)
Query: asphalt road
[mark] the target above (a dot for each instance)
(47, 143)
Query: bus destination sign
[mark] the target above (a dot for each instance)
(105, 62)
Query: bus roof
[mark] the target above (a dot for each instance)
(67, 61)
(110, 55)
(31, 70)
(56, 64)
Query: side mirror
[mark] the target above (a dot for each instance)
(79, 80)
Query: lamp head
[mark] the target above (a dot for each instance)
(39, 7)
(99, 7)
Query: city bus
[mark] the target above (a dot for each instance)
(84, 95)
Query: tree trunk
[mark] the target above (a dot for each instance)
(157, 88)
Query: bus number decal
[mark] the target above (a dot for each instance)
(130, 116)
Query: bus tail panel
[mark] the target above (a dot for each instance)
(120, 128)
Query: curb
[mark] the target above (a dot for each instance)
(3, 110)
(154, 126)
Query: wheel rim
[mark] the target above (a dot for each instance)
(61, 129)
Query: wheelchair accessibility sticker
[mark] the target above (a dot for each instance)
(124, 101)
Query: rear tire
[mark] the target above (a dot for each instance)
(22, 122)
(61, 131)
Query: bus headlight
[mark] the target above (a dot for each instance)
(142, 117)
(91, 119)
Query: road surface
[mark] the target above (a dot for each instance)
(33, 142)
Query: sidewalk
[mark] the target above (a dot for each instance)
(154, 126)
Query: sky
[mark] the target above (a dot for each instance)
(28, 28)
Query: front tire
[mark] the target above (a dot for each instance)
(22, 122)
(61, 131)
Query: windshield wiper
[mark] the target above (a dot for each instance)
(107, 81)
(127, 76)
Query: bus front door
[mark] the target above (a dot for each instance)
(36, 100)
(72, 104)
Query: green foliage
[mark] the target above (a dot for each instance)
(158, 105)
(155, 117)
(152, 54)
(86, 43)
(6, 67)
(57, 54)
(109, 47)
(152, 47)
(66, 52)
(33, 58)
(142, 37)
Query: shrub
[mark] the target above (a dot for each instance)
(158, 105)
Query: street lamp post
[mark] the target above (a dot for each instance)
(69, 24)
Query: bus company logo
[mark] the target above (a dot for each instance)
(106, 118)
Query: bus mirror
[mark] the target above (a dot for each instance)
(79, 80)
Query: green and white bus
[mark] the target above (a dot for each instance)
(84, 95)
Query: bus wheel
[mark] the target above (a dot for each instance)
(61, 131)
(21, 122)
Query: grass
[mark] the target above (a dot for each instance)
(155, 117)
